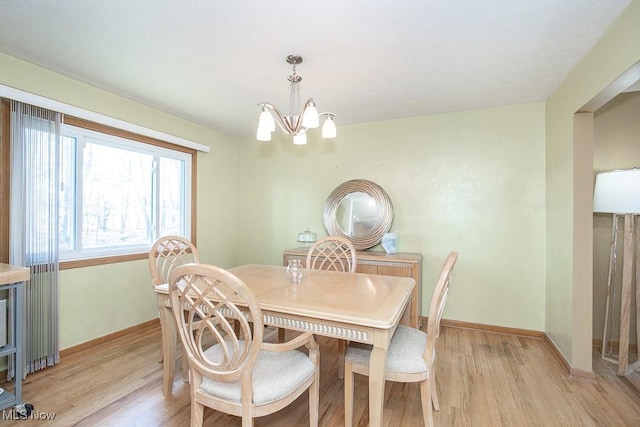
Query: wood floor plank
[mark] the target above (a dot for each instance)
(484, 379)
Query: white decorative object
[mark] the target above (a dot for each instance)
(307, 237)
(390, 242)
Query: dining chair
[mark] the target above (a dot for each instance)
(335, 254)
(166, 254)
(332, 253)
(231, 372)
(411, 356)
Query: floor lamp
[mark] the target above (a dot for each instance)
(618, 193)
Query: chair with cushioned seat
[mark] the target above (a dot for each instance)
(411, 356)
(332, 253)
(167, 253)
(237, 373)
(335, 254)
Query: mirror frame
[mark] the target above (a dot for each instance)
(376, 193)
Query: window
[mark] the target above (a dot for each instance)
(117, 195)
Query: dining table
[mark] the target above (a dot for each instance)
(356, 307)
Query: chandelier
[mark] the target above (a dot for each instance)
(299, 119)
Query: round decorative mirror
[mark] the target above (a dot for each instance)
(358, 210)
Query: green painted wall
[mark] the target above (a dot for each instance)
(470, 181)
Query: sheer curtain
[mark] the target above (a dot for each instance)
(35, 182)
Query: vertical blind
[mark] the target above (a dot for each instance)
(35, 182)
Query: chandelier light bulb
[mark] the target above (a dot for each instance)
(310, 118)
(263, 134)
(329, 128)
(300, 139)
(266, 121)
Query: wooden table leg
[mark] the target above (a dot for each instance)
(377, 367)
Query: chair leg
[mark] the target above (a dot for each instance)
(425, 398)
(197, 413)
(281, 334)
(342, 350)
(314, 398)
(434, 393)
(431, 369)
(185, 366)
(161, 343)
(169, 343)
(247, 418)
(348, 394)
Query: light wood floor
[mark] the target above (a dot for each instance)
(484, 379)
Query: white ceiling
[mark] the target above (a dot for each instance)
(212, 61)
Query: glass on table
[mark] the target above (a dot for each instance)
(294, 271)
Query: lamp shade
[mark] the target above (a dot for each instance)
(300, 138)
(266, 121)
(310, 117)
(329, 128)
(263, 134)
(617, 192)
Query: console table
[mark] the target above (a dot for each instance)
(398, 264)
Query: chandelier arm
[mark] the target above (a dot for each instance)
(279, 118)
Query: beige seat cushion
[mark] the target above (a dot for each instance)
(275, 375)
(405, 351)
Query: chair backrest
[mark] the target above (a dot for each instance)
(438, 301)
(210, 298)
(168, 253)
(332, 253)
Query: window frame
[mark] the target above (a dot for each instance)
(96, 127)
(5, 181)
